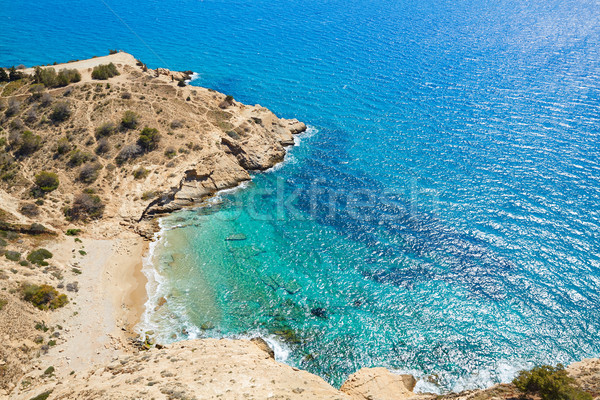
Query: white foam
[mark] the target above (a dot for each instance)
(289, 158)
(194, 77)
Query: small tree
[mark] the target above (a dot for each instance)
(47, 181)
(104, 71)
(3, 75)
(149, 138)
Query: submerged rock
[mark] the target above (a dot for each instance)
(236, 236)
(319, 312)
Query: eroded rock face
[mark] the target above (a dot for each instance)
(378, 384)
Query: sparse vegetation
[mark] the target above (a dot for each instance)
(42, 396)
(149, 138)
(130, 120)
(3, 303)
(39, 257)
(126, 95)
(47, 181)
(62, 146)
(105, 71)
(85, 206)
(49, 371)
(550, 383)
(44, 297)
(73, 232)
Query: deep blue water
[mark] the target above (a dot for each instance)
(444, 210)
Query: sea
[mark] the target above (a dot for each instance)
(440, 216)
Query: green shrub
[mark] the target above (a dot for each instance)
(62, 146)
(39, 257)
(130, 120)
(73, 232)
(550, 383)
(140, 173)
(26, 143)
(49, 371)
(45, 76)
(46, 181)
(105, 71)
(42, 396)
(66, 76)
(85, 206)
(12, 255)
(170, 152)
(43, 297)
(78, 157)
(3, 303)
(36, 90)
(149, 138)
(106, 129)
(3, 75)
(181, 83)
(60, 112)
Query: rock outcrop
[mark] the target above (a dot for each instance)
(378, 384)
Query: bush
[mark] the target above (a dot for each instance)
(149, 138)
(36, 91)
(177, 123)
(85, 206)
(46, 99)
(130, 120)
(49, 371)
(46, 181)
(125, 95)
(39, 257)
(128, 152)
(106, 129)
(170, 152)
(181, 83)
(13, 107)
(32, 115)
(550, 383)
(14, 75)
(140, 173)
(78, 157)
(12, 255)
(42, 396)
(66, 76)
(60, 112)
(103, 146)
(43, 297)
(3, 303)
(73, 232)
(45, 76)
(105, 71)
(29, 209)
(3, 75)
(26, 143)
(89, 172)
(62, 146)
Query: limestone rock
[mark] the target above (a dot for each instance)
(378, 384)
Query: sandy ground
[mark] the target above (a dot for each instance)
(106, 308)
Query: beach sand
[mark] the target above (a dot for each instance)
(107, 306)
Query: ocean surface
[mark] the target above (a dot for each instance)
(442, 214)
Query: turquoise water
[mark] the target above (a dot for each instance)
(440, 218)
